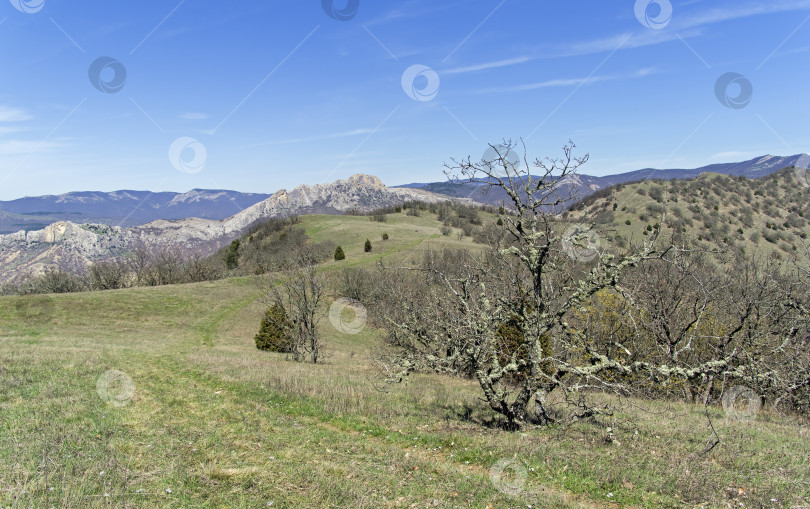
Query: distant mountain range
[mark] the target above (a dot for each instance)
(132, 208)
(83, 228)
(70, 245)
(582, 185)
(121, 208)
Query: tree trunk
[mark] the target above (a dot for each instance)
(708, 392)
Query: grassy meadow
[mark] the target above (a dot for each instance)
(209, 421)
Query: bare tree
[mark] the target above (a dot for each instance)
(300, 291)
(56, 280)
(198, 268)
(156, 265)
(512, 317)
(167, 267)
(110, 275)
(711, 322)
(140, 260)
(778, 362)
(528, 284)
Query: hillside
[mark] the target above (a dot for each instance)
(201, 418)
(583, 185)
(767, 216)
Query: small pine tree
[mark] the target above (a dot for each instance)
(367, 247)
(500, 222)
(232, 258)
(385, 236)
(501, 211)
(339, 254)
(274, 331)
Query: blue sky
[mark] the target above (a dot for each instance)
(258, 96)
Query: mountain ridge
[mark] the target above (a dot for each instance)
(584, 184)
(128, 207)
(71, 245)
(123, 207)
(78, 244)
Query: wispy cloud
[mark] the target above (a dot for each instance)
(734, 155)
(685, 25)
(10, 123)
(25, 147)
(610, 43)
(409, 10)
(487, 66)
(802, 49)
(720, 14)
(344, 134)
(8, 114)
(192, 115)
(569, 82)
(10, 129)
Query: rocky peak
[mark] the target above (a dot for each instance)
(362, 180)
(21, 252)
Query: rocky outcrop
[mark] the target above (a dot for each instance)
(77, 244)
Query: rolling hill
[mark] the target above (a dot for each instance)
(583, 185)
(769, 216)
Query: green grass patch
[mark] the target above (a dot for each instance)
(214, 422)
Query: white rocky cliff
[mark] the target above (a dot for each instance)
(74, 244)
